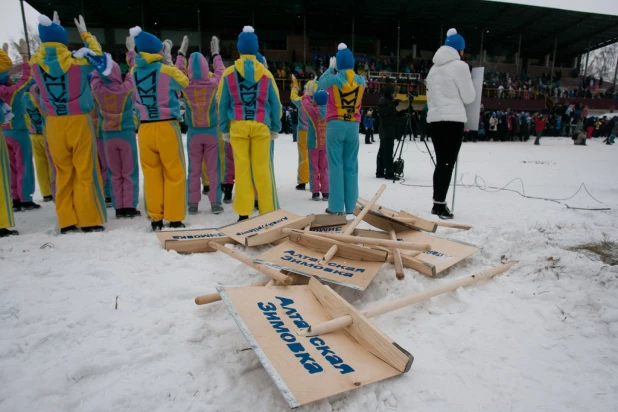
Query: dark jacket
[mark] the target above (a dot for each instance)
(387, 110)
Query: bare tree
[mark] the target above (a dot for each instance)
(602, 62)
(34, 41)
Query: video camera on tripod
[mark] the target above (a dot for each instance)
(405, 100)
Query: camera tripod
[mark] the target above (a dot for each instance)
(398, 164)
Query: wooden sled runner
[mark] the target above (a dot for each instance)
(192, 240)
(306, 369)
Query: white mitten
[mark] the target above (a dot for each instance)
(56, 18)
(81, 25)
(214, 45)
(167, 52)
(184, 46)
(333, 63)
(22, 48)
(273, 135)
(130, 43)
(225, 137)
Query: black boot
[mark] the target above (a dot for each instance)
(177, 225)
(206, 189)
(256, 205)
(325, 196)
(108, 202)
(120, 213)
(8, 232)
(48, 198)
(442, 211)
(300, 186)
(242, 217)
(227, 192)
(30, 206)
(315, 196)
(131, 212)
(91, 229)
(156, 225)
(69, 229)
(16, 205)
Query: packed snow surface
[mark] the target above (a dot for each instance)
(541, 337)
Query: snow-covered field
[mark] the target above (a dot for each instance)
(541, 337)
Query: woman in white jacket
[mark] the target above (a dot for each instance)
(449, 88)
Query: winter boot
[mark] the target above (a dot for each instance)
(120, 213)
(242, 217)
(325, 196)
(30, 206)
(327, 211)
(206, 189)
(216, 208)
(176, 225)
(16, 205)
(300, 186)
(256, 205)
(156, 225)
(193, 208)
(132, 212)
(108, 202)
(442, 211)
(227, 192)
(315, 196)
(68, 229)
(48, 198)
(8, 232)
(91, 229)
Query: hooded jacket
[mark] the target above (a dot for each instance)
(449, 87)
(345, 94)
(316, 116)
(14, 96)
(387, 110)
(34, 111)
(114, 99)
(302, 114)
(156, 88)
(248, 91)
(201, 107)
(62, 78)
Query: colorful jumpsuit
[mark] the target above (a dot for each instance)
(98, 131)
(345, 93)
(45, 171)
(115, 103)
(17, 133)
(67, 99)
(6, 207)
(201, 118)
(316, 143)
(249, 108)
(159, 138)
(302, 175)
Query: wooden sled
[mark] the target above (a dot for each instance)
(307, 369)
(192, 240)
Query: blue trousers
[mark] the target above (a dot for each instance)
(342, 150)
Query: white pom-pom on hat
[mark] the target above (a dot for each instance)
(248, 29)
(44, 20)
(135, 31)
(342, 46)
(451, 32)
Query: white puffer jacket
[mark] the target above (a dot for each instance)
(449, 87)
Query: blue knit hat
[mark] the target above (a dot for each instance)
(146, 42)
(320, 97)
(345, 58)
(247, 41)
(50, 31)
(455, 40)
(259, 57)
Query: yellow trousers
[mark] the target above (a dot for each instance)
(79, 188)
(41, 164)
(252, 156)
(6, 202)
(163, 162)
(303, 158)
(205, 180)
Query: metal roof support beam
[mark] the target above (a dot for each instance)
(482, 38)
(587, 58)
(553, 63)
(23, 17)
(398, 38)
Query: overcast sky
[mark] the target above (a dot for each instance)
(11, 25)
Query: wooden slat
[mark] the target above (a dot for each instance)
(388, 214)
(271, 235)
(344, 250)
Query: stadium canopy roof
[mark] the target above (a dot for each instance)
(423, 22)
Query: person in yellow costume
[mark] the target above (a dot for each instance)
(249, 118)
(161, 152)
(66, 97)
(6, 209)
(303, 152)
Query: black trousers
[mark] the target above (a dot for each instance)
(369, 135)
(447, 138)
(384, 162)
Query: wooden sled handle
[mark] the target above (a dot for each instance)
(453, 225)
(215, 297)
(348, 231)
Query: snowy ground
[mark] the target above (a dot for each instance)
(541, 337)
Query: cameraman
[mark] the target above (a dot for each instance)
(449, 88)
(388, 113)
